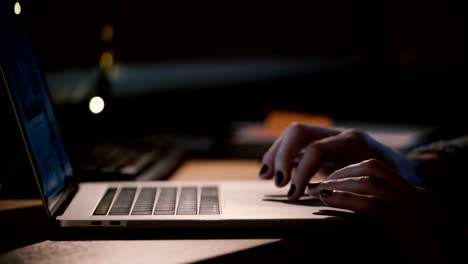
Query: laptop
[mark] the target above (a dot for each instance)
(140, 204)
(126, 205)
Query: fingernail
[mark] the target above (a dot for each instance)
(326, 192)
(312, 185)
(264, 169)
(279, 178)
(292, 190)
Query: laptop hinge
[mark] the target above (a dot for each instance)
(58, 205)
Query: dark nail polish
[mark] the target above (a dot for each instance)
(326, 192)
(312, 185)
(264, 169)
(292, 190)
(279, 178)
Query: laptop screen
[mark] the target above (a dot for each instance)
(20, 73)
(39, 128)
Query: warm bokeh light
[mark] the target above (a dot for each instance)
(107, 33)
(17, 8)
(107, 60)
(96, 105)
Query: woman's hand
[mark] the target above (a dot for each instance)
(311, 148)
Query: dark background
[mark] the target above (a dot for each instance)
(149, 31)
(410, 66)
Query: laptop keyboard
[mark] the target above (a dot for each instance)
(187, 200)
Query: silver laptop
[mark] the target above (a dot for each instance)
(138, 204)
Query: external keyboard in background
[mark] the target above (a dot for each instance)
(119, 161)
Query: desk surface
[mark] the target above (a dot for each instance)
(128, 251)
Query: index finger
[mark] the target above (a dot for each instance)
(296, 137)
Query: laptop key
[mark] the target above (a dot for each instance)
(145, 202)
(123, 203)
(166, 201)
(105, 202)
(209, 201)
(187, 201)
